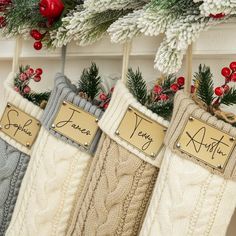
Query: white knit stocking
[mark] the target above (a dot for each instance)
(55, 175)
(189, 199)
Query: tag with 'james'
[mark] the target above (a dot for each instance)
(76, 124)
(20, 126)
(206, 143)
(141, 132)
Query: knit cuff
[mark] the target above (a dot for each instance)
(121, 100)
(13, 97)
(64, 90)
(184, 108)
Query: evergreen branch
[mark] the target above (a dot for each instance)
(229, 98)
(89, 83)
(137, 86)
(163, 109)
(205, 88)
(37, 98)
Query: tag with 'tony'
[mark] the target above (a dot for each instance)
(76, 124)
(19, 125)
(141, 132)
(206, 143)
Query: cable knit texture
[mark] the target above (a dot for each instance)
(189, 199)
(55, 175)
(121, 179)
(14, 157)
(116, 194)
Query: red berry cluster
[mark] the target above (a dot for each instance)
(163, 94)
(104, 99)
(4, 4)
(23, 78)
(229, 74)
(218, 15)
(35, 34)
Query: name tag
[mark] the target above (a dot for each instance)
(76, 124)
(20, 126)
(141, 132)
(206, 143)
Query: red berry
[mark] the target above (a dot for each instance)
(226, 72)
(37, 35)
(164, 97)
(226, 88)
(37, 78)
(16, 89)
(23, 77)
(51, 8)
(219, 91)
(174, 87)
(233, 66)
(192, 88)
(112, 89)
(217, 16)
(106, 105)
(233, 77)
(181, 81)
(2, 21)
(157, 89)
(38, 45)
(32, 32)
(103, 96)
(30, 72)
(27, 89)
(39, 71)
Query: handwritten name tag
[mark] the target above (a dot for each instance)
(141, 132)
(206, 143)
(20, 126)
(75, 124)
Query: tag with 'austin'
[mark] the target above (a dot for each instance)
(20, 126)
(142, 132)
(76, 124)
(206, 144)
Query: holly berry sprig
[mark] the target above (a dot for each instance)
(229, 74)
(163, 91)
(21, 85)
(211, 98)
(104, 99)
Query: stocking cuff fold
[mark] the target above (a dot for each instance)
(64, 90)
(184, 109)
(14, 98)
(120, 102)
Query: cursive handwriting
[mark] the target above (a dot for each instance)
(19, 128)
(142, 134)
(70, 121)
(198, 142)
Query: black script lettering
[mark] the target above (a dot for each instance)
(19, 127)
(198, 142)
(142, 134)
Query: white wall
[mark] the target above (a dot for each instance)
(215, 48)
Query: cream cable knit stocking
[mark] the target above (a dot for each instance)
(14, 157)
(121, 178)
(189, 199)
(56, 173)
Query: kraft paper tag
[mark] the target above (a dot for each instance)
(206, 143)
(76, 124)
(19, 125)
(141, 132)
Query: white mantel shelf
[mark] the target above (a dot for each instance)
(217, 42)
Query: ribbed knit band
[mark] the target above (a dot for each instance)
(65, 91)
(11, 96)
(186, 107)
(121, 100)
